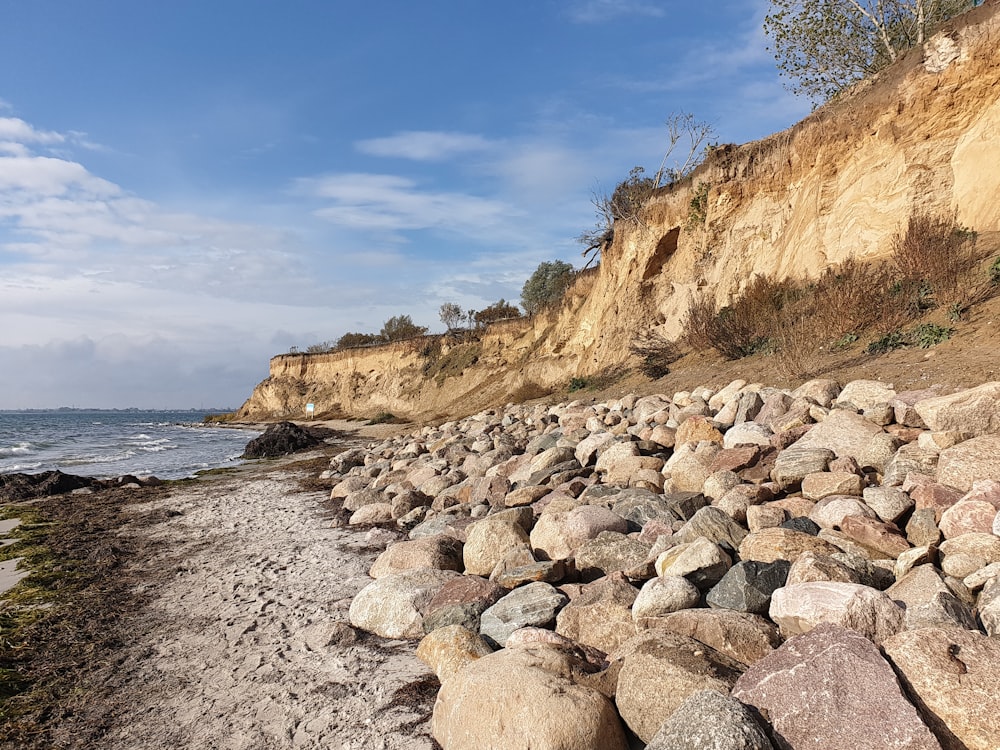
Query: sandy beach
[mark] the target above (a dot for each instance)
(242, 641)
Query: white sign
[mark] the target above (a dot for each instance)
(310, 408)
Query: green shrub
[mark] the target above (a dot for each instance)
(578, 384)
(887, 343)
(698, 207)
(927, 335)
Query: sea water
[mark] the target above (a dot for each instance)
(165, 444)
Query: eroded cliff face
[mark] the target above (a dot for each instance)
(924, 137)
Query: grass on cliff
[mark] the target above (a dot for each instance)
(936, 273)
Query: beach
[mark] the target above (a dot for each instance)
(229, 629)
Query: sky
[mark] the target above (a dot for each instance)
(188, 188)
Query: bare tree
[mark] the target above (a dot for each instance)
(631, 194)
(451, 315)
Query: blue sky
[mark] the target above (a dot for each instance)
(188, 188)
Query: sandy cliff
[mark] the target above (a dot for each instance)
(923, 137)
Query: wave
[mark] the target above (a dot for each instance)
(23, 467)
(14, 450)
(106, 459)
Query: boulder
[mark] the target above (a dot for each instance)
(663, 595)
(521, 698)
(713, 524)
(488, 542)
(831, 688)
(973, 460)
(830, 512)
(710, 720)
(702, 562)
(739, 635)
(394, 606)
(461, 601)
(965, 554)
(951, 675)
(768, 545)
(968, 516)
(601, 614)
(534, 605)
(865, 394)
(882, 539)
(975, 410)
(611, 552)
(988, 605)
(747, 434)
(795, 463)
(799, 608)
(660, 670)
(812, 567)
(889, 503)
(843, 432)
(441, 552)
(446, 650)
(280, 439)
(748, 586)
(372, 513)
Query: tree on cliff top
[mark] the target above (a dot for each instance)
(824, 46)
(499, 310)
(401, 327)
(546, 285)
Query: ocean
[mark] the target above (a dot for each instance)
(98, 443)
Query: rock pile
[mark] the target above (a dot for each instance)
(743, 568)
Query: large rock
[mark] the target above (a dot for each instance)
(866, 394)
(739, 635)
(832, 689)
(951, 675)
(534, 605)
(441, 552)
(965, 554)
(928, 601)
(660, 670)
(488, 542)
(556, 536)
(702, 562)
(279, 440)
(714, 525)
(968, 516)
(799, 608)
(748, 586)
(768, 545)
(601, 614)
(795, 463)
(446, 650)
(843, 432)
(976, 410)
(988, 605)
(524, 698)
(394, 606)
(970, 461)
(461, 601)
(662, 595)
(611, 552)
(708, 720)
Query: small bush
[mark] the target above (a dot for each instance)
(927, 335)
(995, 271)
(384, 417)
(887, 343)
(578, 384)
(698, 207)
(656, 353)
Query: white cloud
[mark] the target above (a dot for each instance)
(392, 203)
(424, 145)
(16, 129)
(597, 11)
